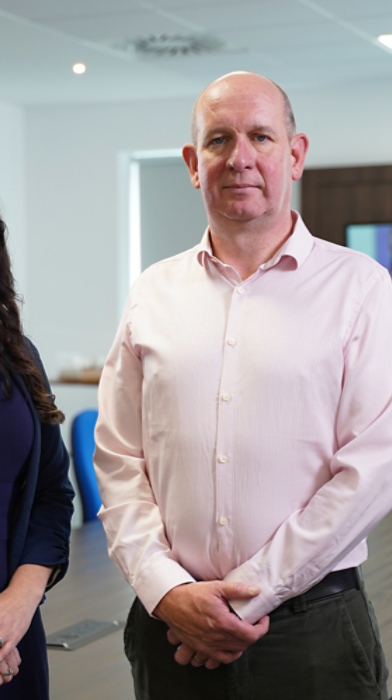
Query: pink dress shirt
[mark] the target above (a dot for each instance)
(245, 427)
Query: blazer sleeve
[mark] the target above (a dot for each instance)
(48, 533)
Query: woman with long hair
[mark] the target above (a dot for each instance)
(35, 500)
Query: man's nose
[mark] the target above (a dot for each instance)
(242, 155)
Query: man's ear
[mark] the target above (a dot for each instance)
(190, 156)
(299, 148)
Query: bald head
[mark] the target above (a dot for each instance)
(258, 82)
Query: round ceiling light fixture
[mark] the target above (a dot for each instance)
(79, 68)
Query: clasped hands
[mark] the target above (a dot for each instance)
(18, 603)
(12, 627)
(201, 622)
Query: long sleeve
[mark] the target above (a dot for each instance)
(312, 541)
(47, 537)
(46, 500)
(130, 515)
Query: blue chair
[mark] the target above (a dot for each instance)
(83, 445)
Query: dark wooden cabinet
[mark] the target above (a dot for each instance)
(335, 197)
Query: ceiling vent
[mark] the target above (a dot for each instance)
(171, 45)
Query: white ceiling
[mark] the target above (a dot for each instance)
(299, 43)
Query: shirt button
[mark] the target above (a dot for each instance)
(226, 397)
(223, 459)
(232, 341)
(240, 290)
(223, 520)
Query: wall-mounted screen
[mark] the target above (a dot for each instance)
(373, 239)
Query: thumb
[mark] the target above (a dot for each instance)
(262, 625)
(237, 589)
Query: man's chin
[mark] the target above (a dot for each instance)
(244, 214)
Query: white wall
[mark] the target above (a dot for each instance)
(12, 187)
(73, 213)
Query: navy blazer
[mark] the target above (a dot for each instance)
(41, 524)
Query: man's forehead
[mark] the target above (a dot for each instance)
(245, 82)
(236, 87)
(229, 126)
(238, 91)
(237, 102)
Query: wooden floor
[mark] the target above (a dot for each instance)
(94, 589)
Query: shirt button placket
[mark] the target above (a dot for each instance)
(226, 408)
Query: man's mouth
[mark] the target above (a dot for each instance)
(242, 186)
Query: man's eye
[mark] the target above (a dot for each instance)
(261, 138)
(217, 141)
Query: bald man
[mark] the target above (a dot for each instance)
(244, 442)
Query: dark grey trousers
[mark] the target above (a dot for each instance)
(322, 650)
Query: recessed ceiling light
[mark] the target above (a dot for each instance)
(79, 68)
(386, 39)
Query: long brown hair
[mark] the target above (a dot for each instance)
(15, 353)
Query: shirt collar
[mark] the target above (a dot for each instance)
(297, 247)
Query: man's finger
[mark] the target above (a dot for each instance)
(226, 657)
(172, 637)
(212, 664)
(184, 655)
(236, 589)
(262, 625)
(198, 660)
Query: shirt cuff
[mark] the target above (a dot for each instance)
(252, 609)
(158, 579)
